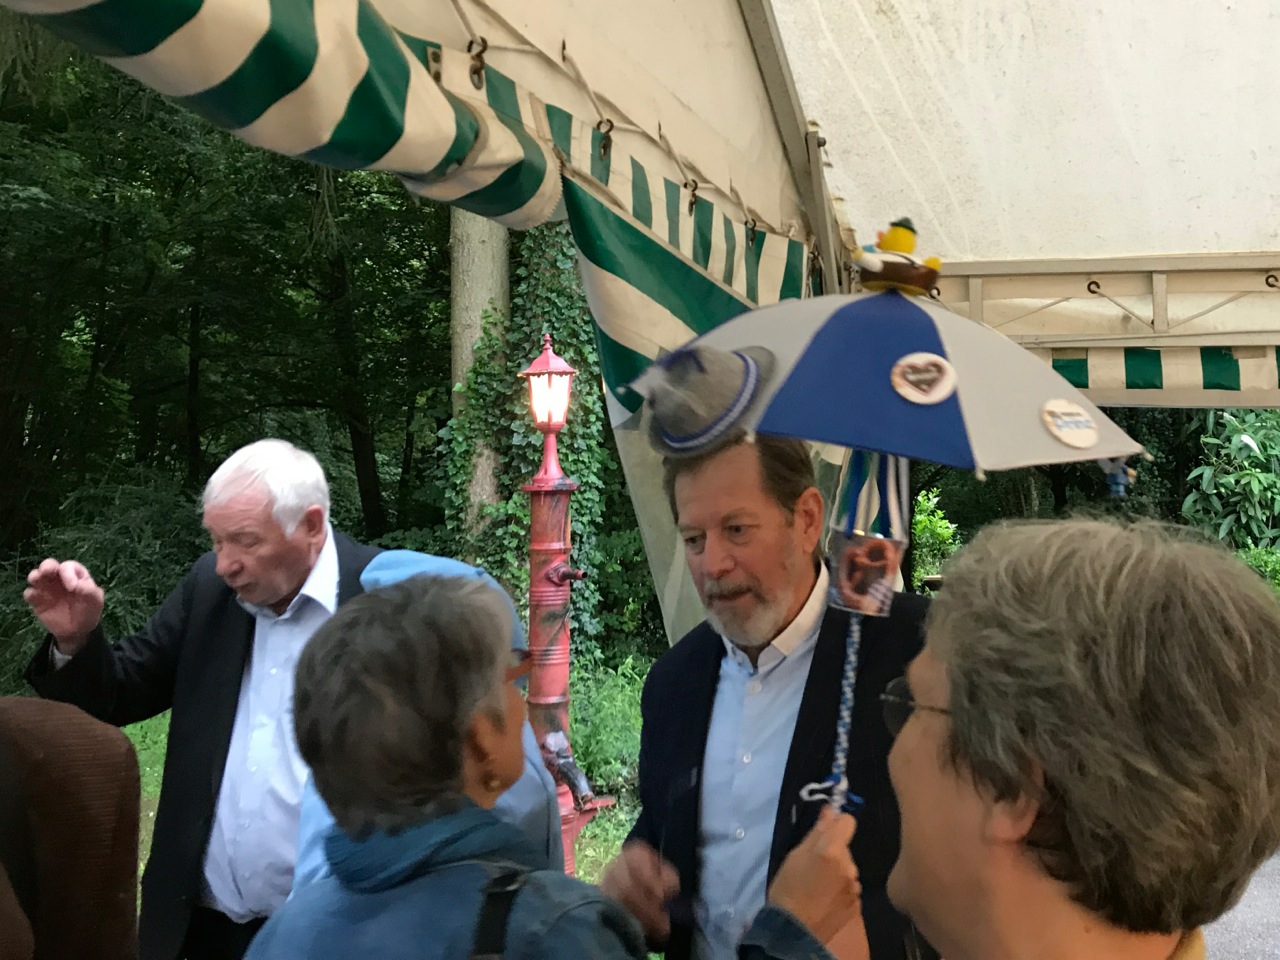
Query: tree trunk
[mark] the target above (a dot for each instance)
(352, 400)
(195, 351)
(479, 251)
(404, 489)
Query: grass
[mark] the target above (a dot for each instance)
(149, 739)
(601, 840)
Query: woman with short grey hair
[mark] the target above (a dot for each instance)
(407, 709)
(1088, 749)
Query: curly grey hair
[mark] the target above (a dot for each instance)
(1136, 669)
(384, 693)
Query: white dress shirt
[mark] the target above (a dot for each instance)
(753, 720)
(248, 865)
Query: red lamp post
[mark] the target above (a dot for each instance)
(550, 381)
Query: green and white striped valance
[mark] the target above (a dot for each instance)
(332, 83)
(1247, 376)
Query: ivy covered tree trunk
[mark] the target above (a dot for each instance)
(480, 286)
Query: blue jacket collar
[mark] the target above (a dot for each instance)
(381, 860)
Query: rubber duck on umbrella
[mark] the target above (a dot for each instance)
(892, 263)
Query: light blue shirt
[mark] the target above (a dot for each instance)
(753, 719)
(248, 865)
(530, 804)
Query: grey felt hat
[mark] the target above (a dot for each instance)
(701, 397)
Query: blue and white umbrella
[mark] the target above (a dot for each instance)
(902, 375)
(883, 373)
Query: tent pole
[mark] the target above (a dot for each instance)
(803, 146)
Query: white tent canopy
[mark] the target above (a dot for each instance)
(1098, 178)
(1095, 176)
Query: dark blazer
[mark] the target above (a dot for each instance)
(189, 658)
(676, 711)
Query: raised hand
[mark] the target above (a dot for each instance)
(66, 601)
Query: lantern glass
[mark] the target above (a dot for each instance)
(549, 398)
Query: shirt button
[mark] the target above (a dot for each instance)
(740, 833)
(253, 769)
(755, 686)
(273, 671)
(746, 758)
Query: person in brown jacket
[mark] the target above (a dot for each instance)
(68, 835)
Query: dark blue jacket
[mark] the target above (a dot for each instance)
(676, 710)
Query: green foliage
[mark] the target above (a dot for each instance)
(168, 293)
(604, 716)
(136, 532)
(1265, 561)
(933, 537)
(1235, 493)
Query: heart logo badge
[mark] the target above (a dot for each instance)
(924, 378)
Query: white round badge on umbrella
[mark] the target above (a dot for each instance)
(924, 378)
(1070, 423)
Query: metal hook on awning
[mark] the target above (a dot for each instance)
(603, 123)
(1094, 287)
(605, 127)
(477, 48)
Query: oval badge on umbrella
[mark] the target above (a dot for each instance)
(1070, 423)
(923, 378)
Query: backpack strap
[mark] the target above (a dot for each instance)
(491, 928)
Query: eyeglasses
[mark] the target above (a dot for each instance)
(520, 665)
(898, 705)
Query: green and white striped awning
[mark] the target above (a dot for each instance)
(1246, 376)
(335, 84)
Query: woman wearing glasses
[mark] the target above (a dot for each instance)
(1087, 751)
(407, 709)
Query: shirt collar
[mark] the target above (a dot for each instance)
(321, 584)
(803, 628)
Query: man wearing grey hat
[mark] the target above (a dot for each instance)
(740, 716)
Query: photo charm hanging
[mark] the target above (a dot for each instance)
(868, 536)
(923, 378)
(863, 571)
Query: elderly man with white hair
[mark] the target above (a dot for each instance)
(220, 654)
(1087, 753)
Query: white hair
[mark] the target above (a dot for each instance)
(291, 478)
